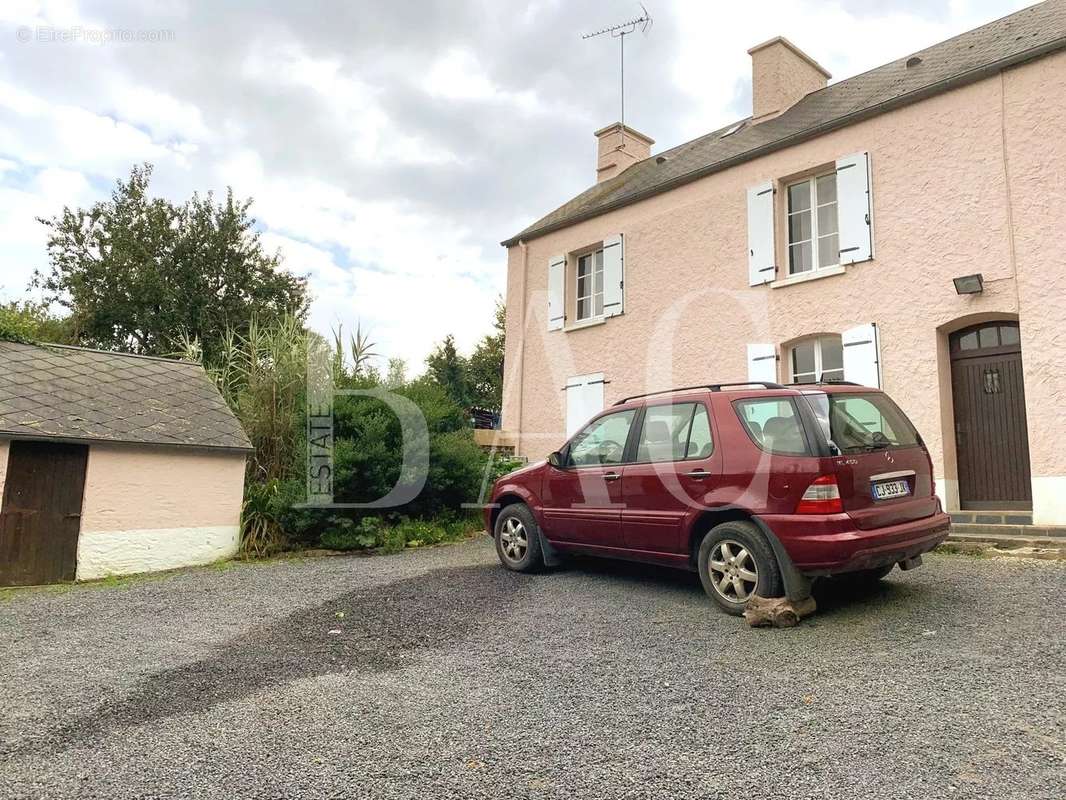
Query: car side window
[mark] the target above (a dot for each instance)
(602, 441)
(774, 425)
(674, 432)
(700, 443)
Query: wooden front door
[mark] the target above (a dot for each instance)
(991, 437)
(41, 513)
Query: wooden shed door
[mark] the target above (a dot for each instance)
(41, 514)
(991, 436)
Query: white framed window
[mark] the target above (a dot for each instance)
(813, 232)
(817, 359)
(590, 285)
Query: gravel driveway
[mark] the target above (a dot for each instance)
(435, 673)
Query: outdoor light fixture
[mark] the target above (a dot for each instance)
(969, 284)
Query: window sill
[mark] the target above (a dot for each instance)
(586, 323)
(812, 275)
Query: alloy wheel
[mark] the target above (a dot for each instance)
(513, 539)
(734, 573)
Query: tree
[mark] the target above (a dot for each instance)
(137, 272)
(448, 369)
(397, 373)
(32, 322)
(485, 369)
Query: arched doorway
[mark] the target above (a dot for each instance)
(991, 437)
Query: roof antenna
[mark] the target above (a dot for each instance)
(620, 32)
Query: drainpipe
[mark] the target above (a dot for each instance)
(522, 345)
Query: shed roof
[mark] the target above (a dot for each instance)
(1029, 33)
(60, 392)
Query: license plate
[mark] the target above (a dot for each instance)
(886, 490)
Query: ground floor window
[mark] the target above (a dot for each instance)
(816, 359)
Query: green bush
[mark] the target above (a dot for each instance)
(349, 535)
(373, 533)
(262, 376)
(503, 464)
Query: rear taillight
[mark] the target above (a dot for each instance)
(821, 497)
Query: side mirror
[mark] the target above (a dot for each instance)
(556, 459)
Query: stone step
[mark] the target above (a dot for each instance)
(993, 533)
(1041, 548)
(992, 517)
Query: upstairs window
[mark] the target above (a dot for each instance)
(590, 286)
(813, 238)
(818, 359)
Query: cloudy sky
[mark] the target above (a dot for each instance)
(389, 144)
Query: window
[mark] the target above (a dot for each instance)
(858, 422)
(774, 425)
(675, 432)
(981, 337)
(602, 441)
(700, 443)
(590, 286)
(818, 359)
(813, 241)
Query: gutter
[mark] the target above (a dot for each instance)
(954, 82)
(12, 436)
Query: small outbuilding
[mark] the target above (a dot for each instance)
(113, 464)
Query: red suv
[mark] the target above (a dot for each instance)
(758, 487)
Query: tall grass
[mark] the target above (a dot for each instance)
(261, 374)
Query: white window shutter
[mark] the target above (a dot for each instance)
(855, 209)
(762, 363)
(613, 276)
(862, 355)
(556, 292)
(584, 399)
(761, 261)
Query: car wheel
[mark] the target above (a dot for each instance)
(518, 539)
(864, 576)
(735, 563)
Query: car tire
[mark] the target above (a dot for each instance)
(736, 562)
(517, 538)
(864, 576)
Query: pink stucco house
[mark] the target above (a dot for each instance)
(822, 237)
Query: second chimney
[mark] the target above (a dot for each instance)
(781, 76)
(619, 147)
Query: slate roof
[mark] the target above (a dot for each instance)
(51, 391)
(1029, 33)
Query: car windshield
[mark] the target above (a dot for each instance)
(861, 422)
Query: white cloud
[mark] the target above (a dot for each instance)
(24, 239)
(389, 151)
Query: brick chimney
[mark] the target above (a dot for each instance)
(619, 147)
(781, 75)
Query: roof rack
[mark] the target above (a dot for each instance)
(713, 387)
(827, 382)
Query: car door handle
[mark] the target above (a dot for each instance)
(611, 476)
(698, 473)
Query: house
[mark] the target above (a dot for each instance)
(898, 229)
(111, 464)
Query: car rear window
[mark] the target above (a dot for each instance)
(774, 425)
(860, 422)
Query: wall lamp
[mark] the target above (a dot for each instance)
(969, 284)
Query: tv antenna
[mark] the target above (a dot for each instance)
(620, 32)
